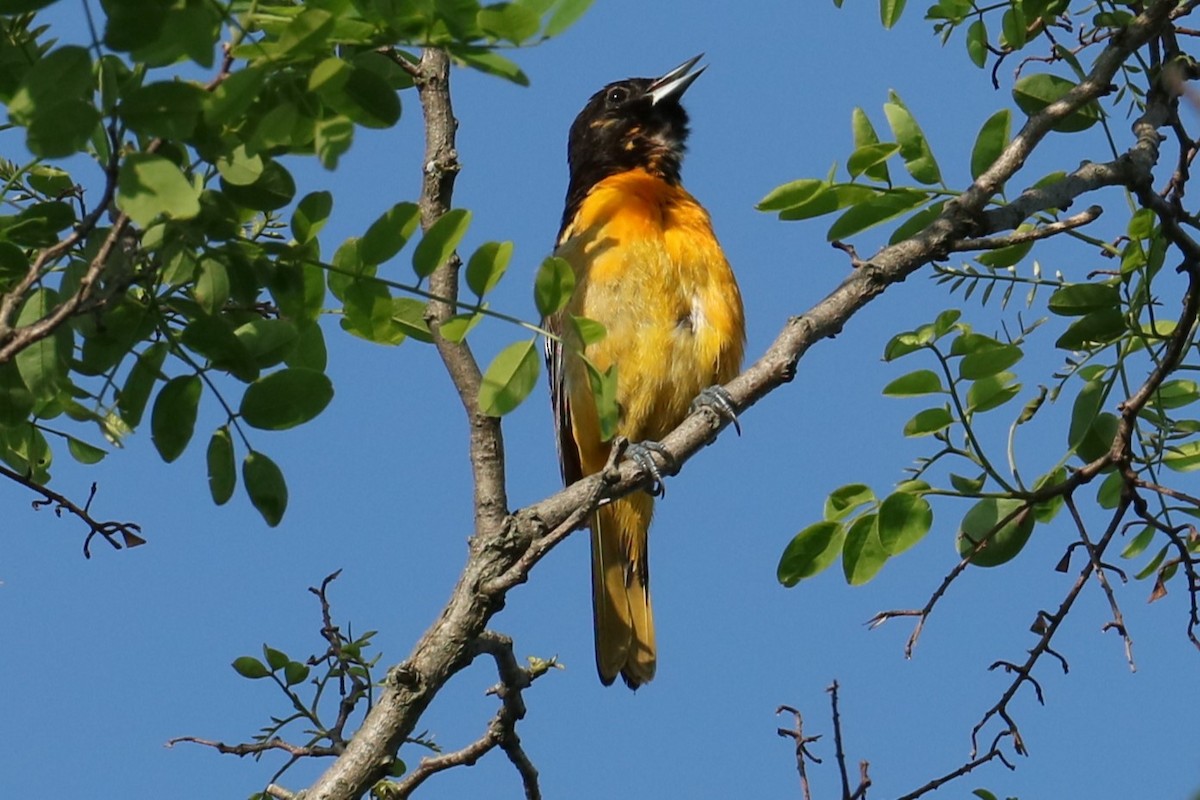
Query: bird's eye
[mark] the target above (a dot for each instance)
(616, 95)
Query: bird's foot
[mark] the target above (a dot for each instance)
(642, 454)
(717, 399)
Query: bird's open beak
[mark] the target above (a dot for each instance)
(675, 83)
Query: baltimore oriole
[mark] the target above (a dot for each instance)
(649, 268)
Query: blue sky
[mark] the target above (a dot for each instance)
(104, 660)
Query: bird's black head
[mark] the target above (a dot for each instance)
(633, 123)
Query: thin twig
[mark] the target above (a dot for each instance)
(1025, 237)
(109, 530)
(1118, 620)
(801, 741)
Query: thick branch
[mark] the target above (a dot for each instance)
(440, 168)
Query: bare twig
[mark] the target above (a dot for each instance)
(1118, 620)
(501, 731)
(802, 753)
(117, 534)
(1024, 671)
(254, 748)
(1024, 237)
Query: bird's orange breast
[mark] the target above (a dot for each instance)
(649, 268)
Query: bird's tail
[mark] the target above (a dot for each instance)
(621, 590)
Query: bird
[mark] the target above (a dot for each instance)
(649, 268)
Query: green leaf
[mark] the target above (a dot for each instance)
(914, 384)
(276, 659)
(1176, 394)
(991, 141)
(927, 422)
(1092, 330)
(273, 190)
(50, 181)
(1084, 411)
(285, 399)
(890, 11)
(1046, 511)
(509, 378)
(309, 351)
(439, 241)
(1003, 542)
(810, 552)
(83, 452)
(487, 266)
(213, 338)
(149, 185)
(917, 222)
(135, 394)
(604, 393)
(1013, 26)
(360, 94)
(228, 103)
(1184, 457)
(1077, 299)
(489, 62)
(864, 159)
(174, 416)
(212, 285)
(566, 13)
(239, 168)
(992, 392)
(250, 667)
(16, 402)
(828, 200)
(332, 136)
(871, 212)
(44, 364)
(914, 147)
(310, 216)
(862, 553)
(1033, 93)
(977, 41)
(295, 672)
(844, 499)
(986, 363)
(306, 34)
(266, 487)
(791, 194)
(409, 314)
(1108, 495)
(968, 485)
(222, 471)
(1138, 544)
(904, 519)
(268, 341)
(865, 136)
(1141, 224)
(456, 328)
(553, 286)
(53, 102)
(512, 22)
(169, 109)
(588, 330)
(388, 234)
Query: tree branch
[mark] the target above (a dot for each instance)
(440, 169)
(109, 530)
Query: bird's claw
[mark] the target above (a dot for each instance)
(721, 403)
(641, 453)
